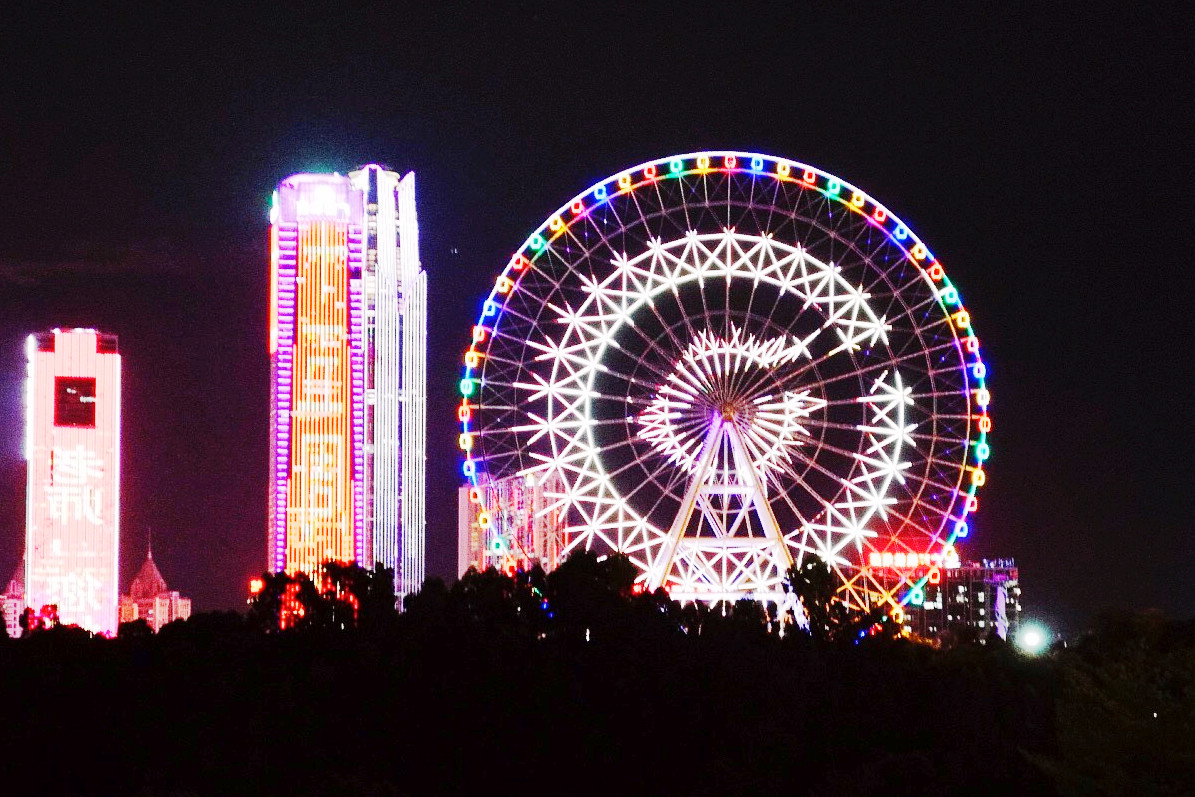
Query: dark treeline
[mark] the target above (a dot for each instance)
(571, 683)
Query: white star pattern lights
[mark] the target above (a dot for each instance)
(716, 377)
(728, 363)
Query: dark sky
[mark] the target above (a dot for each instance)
(1046, 159)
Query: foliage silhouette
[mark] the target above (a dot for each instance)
(347, 596)
(135, 628)
(496, 674)
(829, 619)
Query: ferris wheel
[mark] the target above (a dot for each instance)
(726, 363)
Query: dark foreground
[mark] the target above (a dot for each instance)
(452, 699)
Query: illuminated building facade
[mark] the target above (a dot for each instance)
(317, 489)
(524, 524)
(394, 298)
(983, 596)
(348, 347)
(72, 519)
(12, 602)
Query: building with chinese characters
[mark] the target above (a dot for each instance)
(72, 446)
(151, 600)
(347, 344)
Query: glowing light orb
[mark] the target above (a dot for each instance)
(1032, 639)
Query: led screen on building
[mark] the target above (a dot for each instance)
(348, 349)
(315, 339)
(73, 491)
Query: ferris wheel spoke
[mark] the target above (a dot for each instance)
(938, 439)
(881, 365)
(667, 489)
(929, 482)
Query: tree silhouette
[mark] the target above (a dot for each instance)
(485, 598)
(586, 593)
(430, 604)
(816, 587)
(268, 608)
(32, 622)
(357, 597)
(347, 596)
(134, 629)
(830, 619)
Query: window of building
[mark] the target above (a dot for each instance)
(74, 401)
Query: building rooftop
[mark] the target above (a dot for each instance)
(16, 584)
(148, 583)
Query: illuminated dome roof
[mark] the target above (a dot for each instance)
(149, 582)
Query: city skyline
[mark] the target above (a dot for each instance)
(1014, 140)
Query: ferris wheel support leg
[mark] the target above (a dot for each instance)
(709, 451)
(767, 518)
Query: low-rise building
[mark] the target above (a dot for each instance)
(510, 524)
(984, 596)
(150, 599)
(12, 601)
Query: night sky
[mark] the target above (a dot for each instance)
(1047, 160)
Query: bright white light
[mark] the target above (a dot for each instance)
(723, 369)
(1032, 639)
(718, 375)
(694, 389)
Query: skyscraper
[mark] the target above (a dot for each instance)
(394, 294)
(317, 419)
(72, 519)
(348, 362)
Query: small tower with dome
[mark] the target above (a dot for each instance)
(149, 597)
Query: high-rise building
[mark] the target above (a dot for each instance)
(317, 419)
(394, 295)
(72, 519)
(348, 310)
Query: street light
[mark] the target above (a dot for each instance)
(1032, 639)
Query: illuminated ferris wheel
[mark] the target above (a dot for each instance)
(725, 363)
